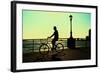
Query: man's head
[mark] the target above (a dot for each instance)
(54, 28)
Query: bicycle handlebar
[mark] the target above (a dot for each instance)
(47, 40)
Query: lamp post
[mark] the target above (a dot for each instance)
(71, 25)
(71, 40)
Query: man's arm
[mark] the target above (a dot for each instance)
(52, 35)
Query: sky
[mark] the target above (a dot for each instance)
(39, 24)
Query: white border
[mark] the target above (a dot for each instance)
(37, 65)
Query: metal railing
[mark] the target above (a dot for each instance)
(32, 45)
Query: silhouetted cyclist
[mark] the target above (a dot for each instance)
(56, 36)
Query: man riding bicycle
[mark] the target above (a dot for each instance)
(56, 36)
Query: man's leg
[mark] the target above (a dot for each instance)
(53, 44)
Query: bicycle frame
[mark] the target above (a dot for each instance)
(48, 42)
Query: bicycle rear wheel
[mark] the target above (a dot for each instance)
(59, 47)
(44, 49)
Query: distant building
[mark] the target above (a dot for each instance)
(89, 35)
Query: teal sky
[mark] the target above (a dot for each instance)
(39, 24)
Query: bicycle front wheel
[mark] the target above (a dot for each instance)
(44, 49)
(59, 47)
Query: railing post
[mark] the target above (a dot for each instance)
(33, 45)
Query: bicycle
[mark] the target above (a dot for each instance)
(45, 48)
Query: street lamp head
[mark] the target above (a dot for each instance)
(70, 17)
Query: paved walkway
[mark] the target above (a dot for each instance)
(67, 54)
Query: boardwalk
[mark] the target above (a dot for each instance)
(67, 54)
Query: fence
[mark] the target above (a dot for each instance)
(32, 45)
